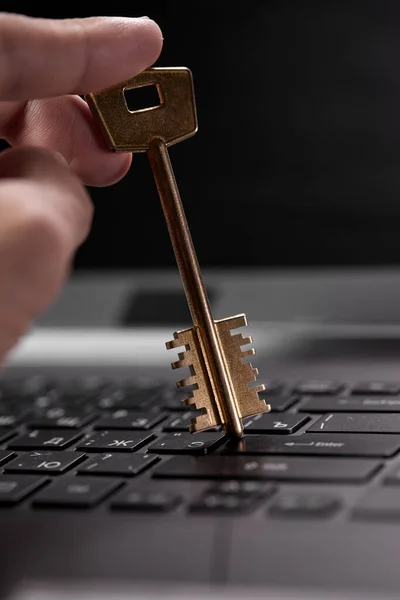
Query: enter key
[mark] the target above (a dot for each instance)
(380, 446)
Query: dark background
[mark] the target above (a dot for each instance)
(297, 158)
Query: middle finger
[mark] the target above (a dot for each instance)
(64, 124)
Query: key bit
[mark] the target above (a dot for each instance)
(220, 378)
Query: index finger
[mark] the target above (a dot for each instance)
(45, 57)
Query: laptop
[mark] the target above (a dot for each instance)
(103, 492)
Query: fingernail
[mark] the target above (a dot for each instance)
(144, 17)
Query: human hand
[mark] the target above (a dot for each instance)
(56, 149)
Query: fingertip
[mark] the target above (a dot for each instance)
(66, 126)
(154, 37)
(141, 41)
(110, 168)
(118, 167)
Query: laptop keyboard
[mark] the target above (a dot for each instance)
(326, 450)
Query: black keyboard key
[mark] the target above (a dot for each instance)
(16, 387)
(76, 492)
(267, 423)
(109, 399)
(45, 462)
(279, 403)
(11, 416)
(114, 441)
(12, 413)
(14, 488)
(80, 387)
(5, 456)
(33, 384)
(304, 505)
(350, 470)
(63, 407)
(122, 465)
(130, 419)
(224, 504)
(272, 388)
(143, 399)
(318, 387)
(59, 417)
(172, 399)
(5, 434)
(379, 504)
(376, 387)
(82, 404)
(331, 444)
(187, 443)
(152, 501)
(130, 397)
(352, 404)
(179, 423)
(358, 423)
(45, 439)
(242, 488)
(43, 401)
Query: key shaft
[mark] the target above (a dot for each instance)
(193, 284)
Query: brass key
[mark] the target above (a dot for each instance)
(219, 378)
